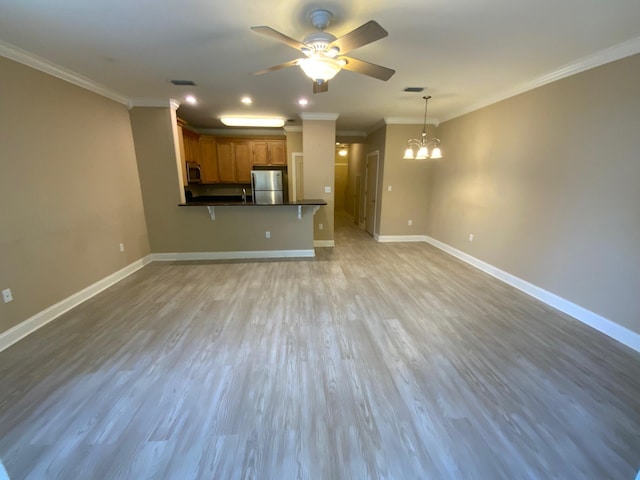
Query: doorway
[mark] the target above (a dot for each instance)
(297, 176)
(371, 192)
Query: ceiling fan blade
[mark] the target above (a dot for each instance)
(369, 69)
(281, 37)
(321, 87)
(363, 35)
(292, 63)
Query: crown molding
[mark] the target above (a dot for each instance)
(292, 129)
(319, 116)
(411, 121)
(154, 102)
(602, 57)
(38, 63)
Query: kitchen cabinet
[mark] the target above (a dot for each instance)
(234, 160)
(269, 152)
(226, 161)
(244, 162)
(191, 146)
(209, 159)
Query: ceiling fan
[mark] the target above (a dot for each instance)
(325, 54)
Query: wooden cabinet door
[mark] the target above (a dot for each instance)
(191, 146)
(260, 152)
(244, 161)
(278, 152)
(226, 161)
(209, 159)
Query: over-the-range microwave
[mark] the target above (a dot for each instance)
(194, 175)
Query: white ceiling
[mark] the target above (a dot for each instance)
(465, 52)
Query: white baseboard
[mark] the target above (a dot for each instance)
(324, 243)
(399, 238)
(239, 255)
(622, 334)
(18, 332)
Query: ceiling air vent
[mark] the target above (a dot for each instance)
(414, 89)
(190, 83)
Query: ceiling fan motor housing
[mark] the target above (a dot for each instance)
(318, 41)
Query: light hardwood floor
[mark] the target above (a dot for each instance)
(391, 361)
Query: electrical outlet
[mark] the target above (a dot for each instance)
(389, 188)
(122, 247)
(267, 234)
(471, 237)
(410, 222)
(327, 189)
(6, 295)
(320, 226)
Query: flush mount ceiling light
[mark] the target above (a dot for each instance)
(303, 102)
(191, 99)
(246, 100)
(419, 148)
(252, 121)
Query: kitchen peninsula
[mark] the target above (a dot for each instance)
(182, 229)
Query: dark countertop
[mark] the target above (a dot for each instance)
(236, 202)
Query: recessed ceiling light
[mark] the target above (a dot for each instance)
(303, 101)
(246, 100)
(191, 99)
(252, 121)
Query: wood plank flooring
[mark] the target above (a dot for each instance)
(381, 361)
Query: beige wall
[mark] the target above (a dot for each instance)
(69, 191)
(318, 141)
(549, 184)
(409, 181)
(174, 229)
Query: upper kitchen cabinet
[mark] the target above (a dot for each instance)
(268, 152)
(244, 162)
(191, 146)
(234, 160)
(226, 160)
(209, 159)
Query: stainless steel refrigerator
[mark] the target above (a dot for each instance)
(266, 186)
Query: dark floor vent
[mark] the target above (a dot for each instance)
(414, 89)
(184, 82)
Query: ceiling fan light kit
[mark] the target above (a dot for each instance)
(419, 148)
(325, 53)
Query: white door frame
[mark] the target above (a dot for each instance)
(375, 154)
(292, 176)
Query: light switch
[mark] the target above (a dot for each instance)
(327, 189)
(389, 188)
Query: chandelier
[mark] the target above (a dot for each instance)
(422, 148)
